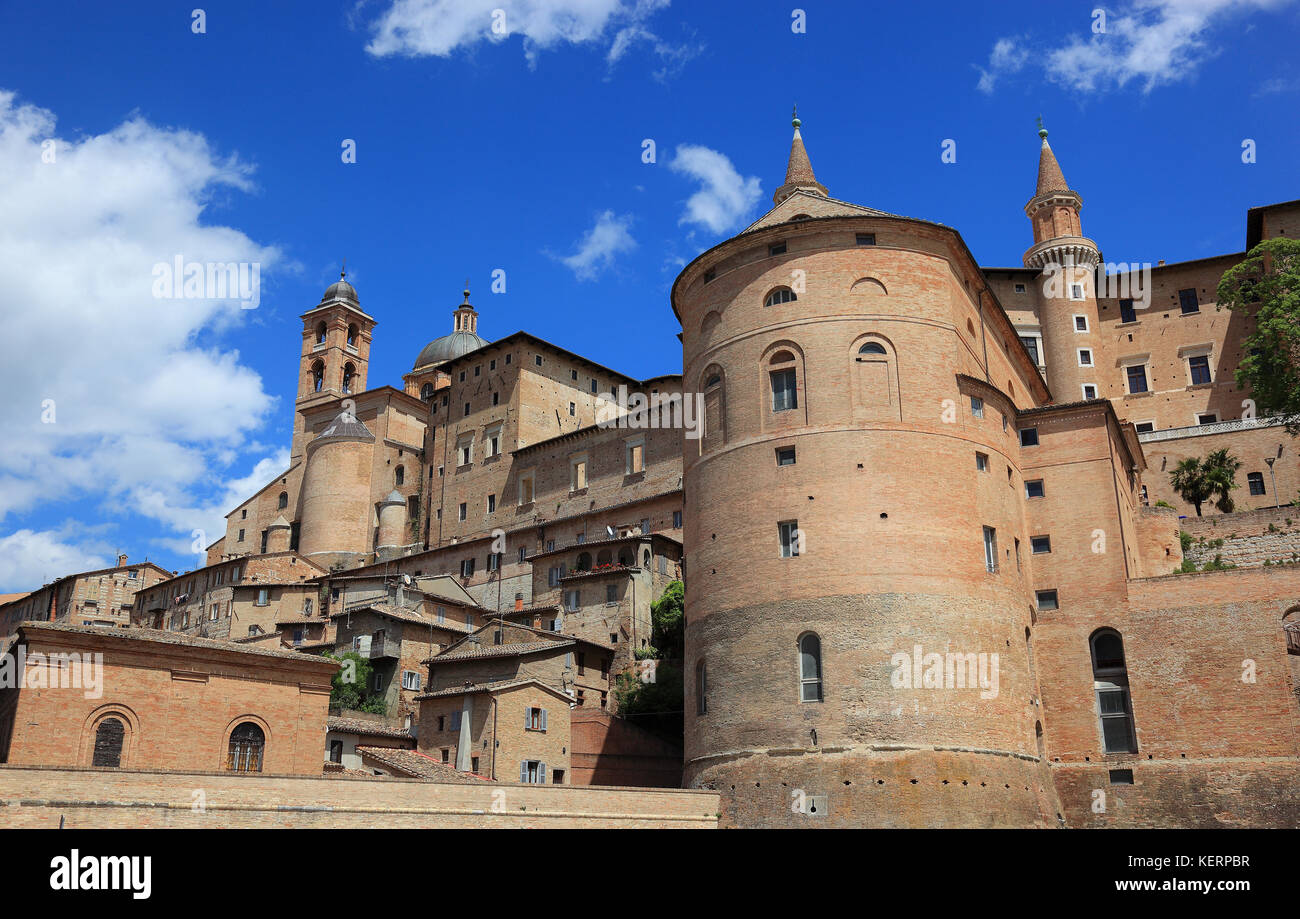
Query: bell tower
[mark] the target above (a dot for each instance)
(335, 351)
(1067, 295)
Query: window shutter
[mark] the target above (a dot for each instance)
(541, 773)
(543, 719)
(523, 770)
(528, 720)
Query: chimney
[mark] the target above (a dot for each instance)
(1160, 264)
(519, 602)
(121, 561)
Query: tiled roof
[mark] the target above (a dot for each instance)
(491, 686)
(362, 726)
(417, 765)
(474, 652)
(153, 635)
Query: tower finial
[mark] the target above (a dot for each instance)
(1042, 131)
(794, 118)
(467, 290)
(343, 271)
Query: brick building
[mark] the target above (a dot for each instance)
(102, 597)
(924, 587)
(148, 700)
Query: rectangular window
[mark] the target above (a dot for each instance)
(532, 772)
(263, 596)
(494, 561)
(467, 409)
(710, 275)
(523, 553)
(1020, 288)
(976, 407)
(1017, 554)
(990, 550)
(465, 452)
(1041, 544)
(1076, 291)
(1116, 717)
(1034, 489)
(1029, 437)
(1256, 482)
(1199, 367)
(535, 719)
(573, 409)
(1207, 418)
(788, 532)
(595, 387)
(635, 458)
(1080, 323)
(1137, 378)
(578, 474)
(611, 593)
(785, 456)
(572, 601)
(537, 359)
(1085, 357)
(1145, 427)
(573, 374)
(1187, 301)
(455, 721)
(464, 510)
(492, 365)
(1089, 391)
(776, 249)
(1126, 311)
(1046, 599)
(526, 488)
(866, 239)
(553, 575)
(677, 520)
(410, 680)
(982, 462)
(496, 398)
(492, 504)
(784, 393)
(1031, 345)
(467, 567)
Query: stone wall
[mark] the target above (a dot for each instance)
(1248, 539)
(35, 797)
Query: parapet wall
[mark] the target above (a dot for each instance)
(38, 797)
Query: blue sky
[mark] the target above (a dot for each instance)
(522, 151)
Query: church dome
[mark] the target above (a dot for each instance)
(448, 347)
(341, 290)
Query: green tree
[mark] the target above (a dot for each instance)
(1266, 287)
(1199, 480)
(348, 687)
(668, 614)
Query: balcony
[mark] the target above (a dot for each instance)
(1203, 430)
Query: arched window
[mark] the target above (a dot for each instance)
(426, 392)
(625, 557)
(247, 747)
(780, 295)
(399, 475)
(785, 382)
(701, 689)
(810, 668)
(604, 557)
(317, 376)
(1110, 682)
(320, 333)
(109, 736)
(352, 336)
(715, 410)
(284, 500)
(584, 561)
(872, 347)
(348, 373)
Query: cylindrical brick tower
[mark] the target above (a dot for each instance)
(854, 507)
(392, 524)
(1068, 260)
(337, 518)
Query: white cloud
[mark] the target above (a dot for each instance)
(1007, 57)
(421, 28)
(1155, 42)
(31, 558)
(606, 239)
(1150, 42)
(146, 403)
(725, 198)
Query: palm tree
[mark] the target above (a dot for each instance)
(1197, 481)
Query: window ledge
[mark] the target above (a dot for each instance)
(1195, 386)
(1140, 395)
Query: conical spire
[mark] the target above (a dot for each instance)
(1050, 177)
(799, 171)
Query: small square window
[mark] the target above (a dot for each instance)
(1121, 776)
(785, 456)
(1089, 391)
(982, 462)
(1047, 600)
(1029, 437)
(866, 239)
(777, 249)
(1080, 323)
(1020, 288)
(1076, 291)
(1034, 489)
(1041, 544)
(1207, 418)
(1085, 357)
